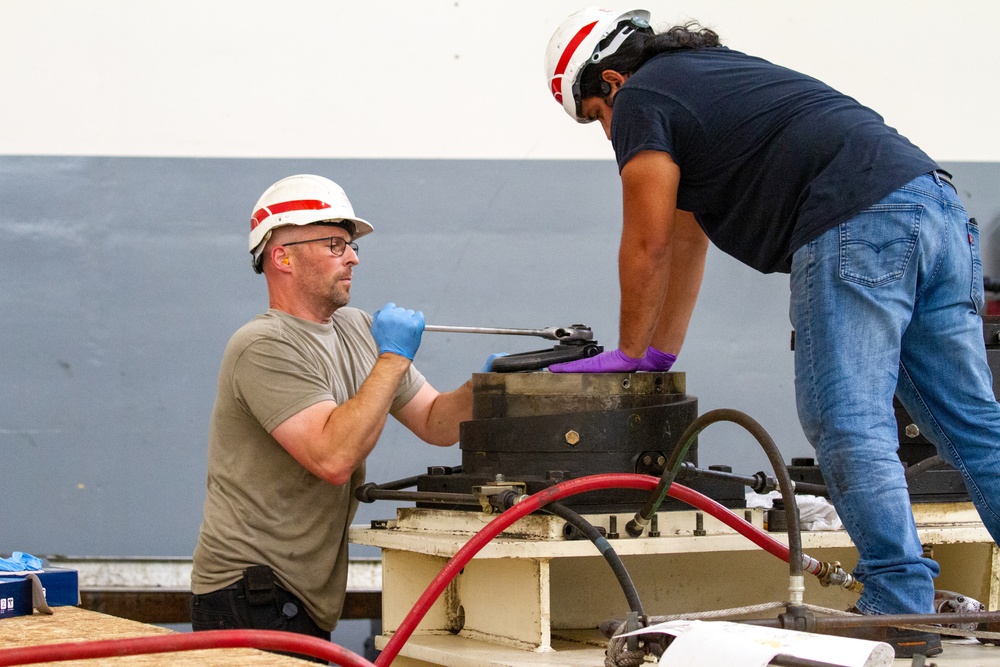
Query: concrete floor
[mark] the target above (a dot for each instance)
(961, 653)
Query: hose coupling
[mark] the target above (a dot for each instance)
(762, 483)
(503, 501)
(832, 574)
(635, 526)
(498, 497)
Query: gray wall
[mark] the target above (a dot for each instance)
(124, 278)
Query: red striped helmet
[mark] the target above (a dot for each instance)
(304, 199)
(574, 45)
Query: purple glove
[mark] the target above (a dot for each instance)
(656, 360)
(614, 361)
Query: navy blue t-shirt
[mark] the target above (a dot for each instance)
(769, 158)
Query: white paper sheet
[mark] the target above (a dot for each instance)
(725, 644)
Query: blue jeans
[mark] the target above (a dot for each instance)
(888, 302)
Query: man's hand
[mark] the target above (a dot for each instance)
(656, 361)
(397, 330)
(614, 361)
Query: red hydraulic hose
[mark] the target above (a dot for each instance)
(274, 640)
(270, 640)
(542, 498)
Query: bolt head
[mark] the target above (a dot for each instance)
(912, 431)
(572, 437)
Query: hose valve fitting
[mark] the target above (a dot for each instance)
(831, 574)
(635, 526)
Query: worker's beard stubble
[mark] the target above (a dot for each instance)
(340, 292)
(328, 293)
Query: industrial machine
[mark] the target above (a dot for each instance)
(461, 580)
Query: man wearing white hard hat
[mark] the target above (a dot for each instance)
(304, 392)
(788, 175)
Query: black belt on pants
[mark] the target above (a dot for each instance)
(943, 175)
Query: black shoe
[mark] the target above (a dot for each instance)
(908, 643)
(905, 643)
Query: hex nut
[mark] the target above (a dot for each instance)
(912, 431)
(572, 437)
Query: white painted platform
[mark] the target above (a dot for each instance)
(529, 597)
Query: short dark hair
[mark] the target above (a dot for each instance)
(640, 46)
(346, 225)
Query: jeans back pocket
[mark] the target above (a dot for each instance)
(877, 243)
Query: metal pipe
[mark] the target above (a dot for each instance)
(369, 493)
(807, 488)
(399, 484)
(407, 482)
(759, 482)
(883, 620)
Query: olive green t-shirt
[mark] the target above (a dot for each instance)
(262, 507)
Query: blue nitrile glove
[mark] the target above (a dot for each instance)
(614, 361)
(656, 360)
(397, 330)
(489, 362)
(19, 562)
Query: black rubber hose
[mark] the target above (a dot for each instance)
(606, 550)
(642, 517)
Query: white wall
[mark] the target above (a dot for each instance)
(438, 78)
(112, 329)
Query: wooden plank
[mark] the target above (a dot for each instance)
(72, 624)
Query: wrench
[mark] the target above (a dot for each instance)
(573, 332)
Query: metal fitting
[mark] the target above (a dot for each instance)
(572, 438)
(494, 498)
(762, 483)
(831, 574)
(699, 524)
(636, 526)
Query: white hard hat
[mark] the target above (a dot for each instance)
(574, 45)
(304, 199)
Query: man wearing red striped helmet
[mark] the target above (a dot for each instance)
(304, 393)
(788, 175)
